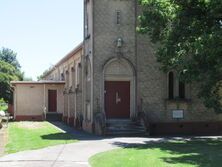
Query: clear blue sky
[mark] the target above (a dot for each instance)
(40, 31)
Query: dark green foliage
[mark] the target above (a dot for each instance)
(3, 105)
(9, 71)
(41, 77)
(190, 37)
(27, 79)
(9, 56)
(7, 74)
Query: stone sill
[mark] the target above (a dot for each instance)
(178, 100)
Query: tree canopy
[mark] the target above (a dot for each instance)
(7, 74)
(9, 71)
(189, 36)
(9, 56)
(41, 77)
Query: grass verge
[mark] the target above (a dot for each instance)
(194, 153)
(34, 135)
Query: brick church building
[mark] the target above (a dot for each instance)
(113, 83)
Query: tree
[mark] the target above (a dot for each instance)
(7, 74)
(9, 71)
(27, 78)
(3, 105)
(9, 56)
(189, 36)
(41, 77)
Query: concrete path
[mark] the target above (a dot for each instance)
(68, 155)
(75, 155)
(71, 155)
(3, 137)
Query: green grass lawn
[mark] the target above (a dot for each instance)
(194, 153)
(34, 135)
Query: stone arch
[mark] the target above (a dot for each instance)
(121, 69)
(118, 66)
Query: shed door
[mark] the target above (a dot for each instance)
(117, 99)
(52, 100)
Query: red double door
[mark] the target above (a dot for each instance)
(117, 99)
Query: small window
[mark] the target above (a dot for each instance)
(70, 78)
(170, 85)
(181, 87)
(181, 90)
(88, 71)
(62, 77)
(73, 75)
(67, 78)
(78, 73)
(87, 25)
(118, 16)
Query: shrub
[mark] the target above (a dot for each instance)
(3, 105)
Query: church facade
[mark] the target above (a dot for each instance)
(114, 74)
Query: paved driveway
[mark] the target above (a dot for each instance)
(69, 155)
(75, 155)
(2, 140)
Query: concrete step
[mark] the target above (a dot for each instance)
(53, 116)
(120, 122)
(127, 134)
(124, 127)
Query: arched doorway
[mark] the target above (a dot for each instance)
(119, 89)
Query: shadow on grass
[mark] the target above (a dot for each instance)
(59, 136)
(197, 152)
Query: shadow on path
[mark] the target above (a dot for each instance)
(77, 134)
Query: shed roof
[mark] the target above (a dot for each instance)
(37, 82)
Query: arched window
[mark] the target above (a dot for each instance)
(88, 71)
(78, 73)
(171, 85)
(181, 88)
(62, 77)
(67, 77)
